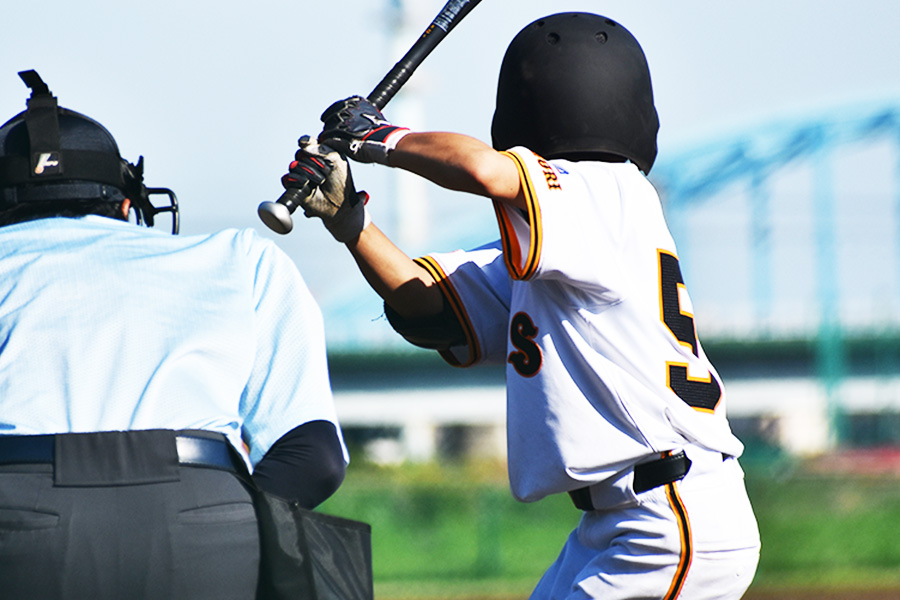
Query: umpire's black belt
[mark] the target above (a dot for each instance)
(647, 476)
(200, 449)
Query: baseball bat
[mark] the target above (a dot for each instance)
(277, 215)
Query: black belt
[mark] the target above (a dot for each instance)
(192, 451)
(647, 476)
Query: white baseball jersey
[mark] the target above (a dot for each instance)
(583, 298)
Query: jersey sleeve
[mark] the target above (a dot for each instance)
(476, 286)
(571, 228)
(289, 383)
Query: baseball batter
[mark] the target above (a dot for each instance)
(611, 397)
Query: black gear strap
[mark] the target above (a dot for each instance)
(42, 121)
(83, 165)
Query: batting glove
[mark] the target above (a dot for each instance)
(334, 199)
(357, 128)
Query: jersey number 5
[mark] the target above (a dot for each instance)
(702, 393)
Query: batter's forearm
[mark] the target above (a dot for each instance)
(404, 285)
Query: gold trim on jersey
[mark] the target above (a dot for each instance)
(459, 309)
(520, 268)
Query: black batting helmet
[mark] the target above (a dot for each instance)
(53, 154)
(576, 85)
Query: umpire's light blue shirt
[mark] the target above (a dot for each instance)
(105, 325)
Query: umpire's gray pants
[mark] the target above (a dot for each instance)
(194, 538)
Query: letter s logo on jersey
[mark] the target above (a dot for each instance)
(527, 357)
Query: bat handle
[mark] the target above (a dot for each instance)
(390, 85)
(277, 215)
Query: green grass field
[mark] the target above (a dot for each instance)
(454, 532)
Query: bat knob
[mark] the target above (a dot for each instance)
(276, 216)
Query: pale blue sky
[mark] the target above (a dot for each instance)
(215, 93)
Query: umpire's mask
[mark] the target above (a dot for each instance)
(52, 154)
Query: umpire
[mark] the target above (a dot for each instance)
(136, 369)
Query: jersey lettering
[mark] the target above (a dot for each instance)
(702, 393)
(550, 175)
(527, 357)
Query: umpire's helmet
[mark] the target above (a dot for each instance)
(576, 85)
(52, 154)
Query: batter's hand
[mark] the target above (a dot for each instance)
(335, 199)
(358, 129)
